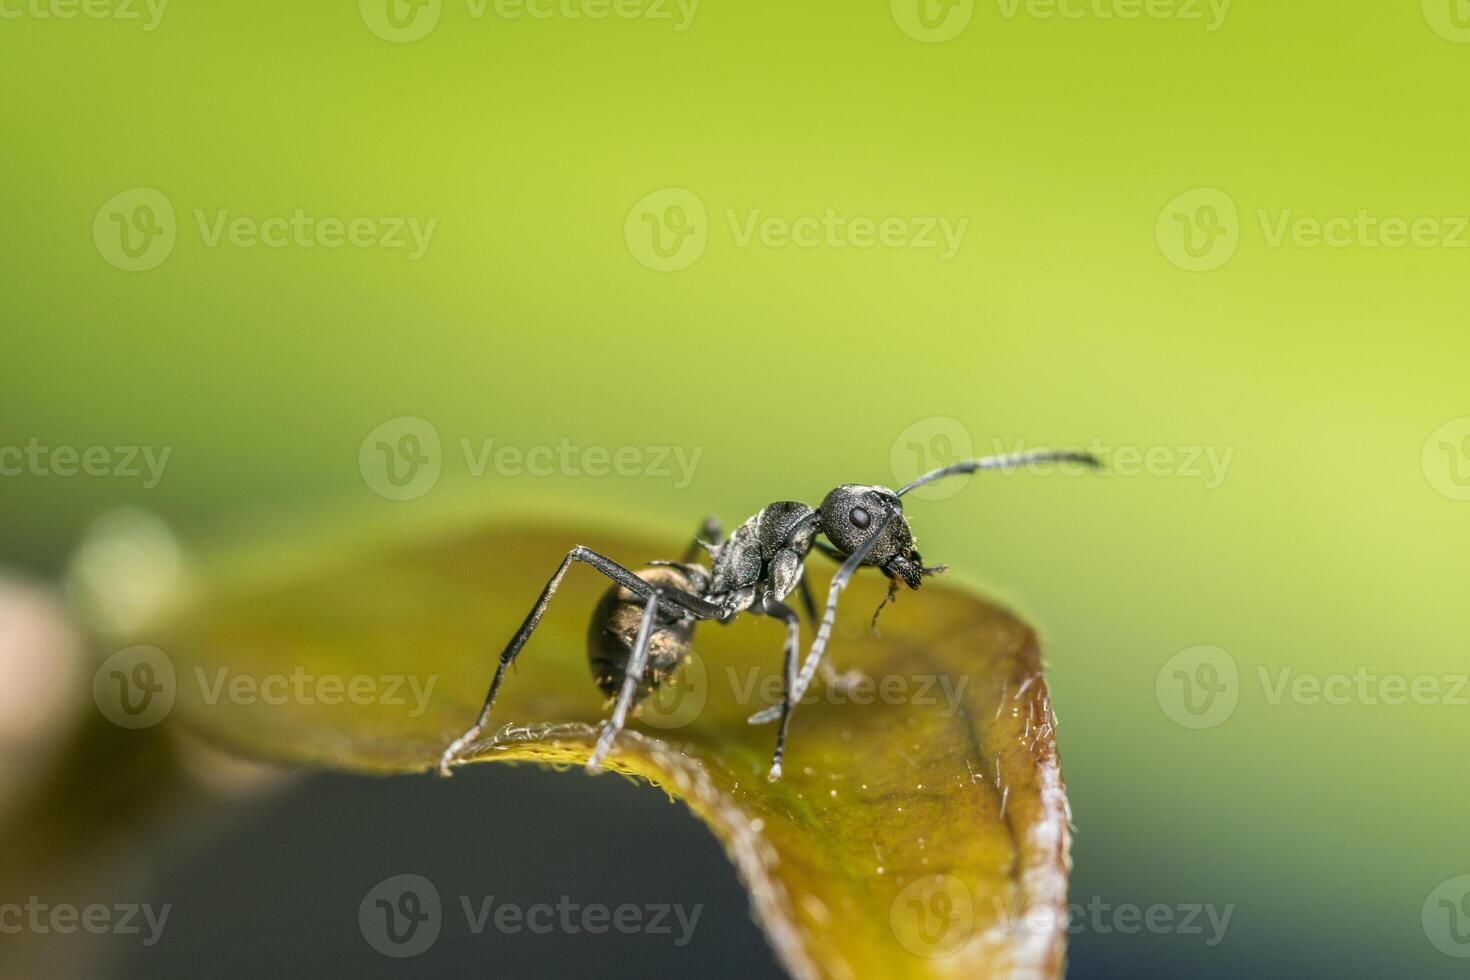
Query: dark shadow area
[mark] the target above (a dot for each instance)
(279, 894)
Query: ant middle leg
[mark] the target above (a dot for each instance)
(770, 606)
(808, 603)
(850, 565)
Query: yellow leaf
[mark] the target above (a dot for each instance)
(921, 829)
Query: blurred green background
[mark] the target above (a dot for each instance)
(1074, 312)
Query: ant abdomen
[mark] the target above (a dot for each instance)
(613, 631)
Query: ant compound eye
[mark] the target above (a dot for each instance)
(860, 518)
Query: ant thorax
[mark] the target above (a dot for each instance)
(764, 554)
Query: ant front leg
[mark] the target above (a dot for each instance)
(841, 682)
(824, 631)
(675, 603)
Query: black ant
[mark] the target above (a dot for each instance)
(643, 627)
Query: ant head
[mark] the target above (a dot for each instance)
(852, 512)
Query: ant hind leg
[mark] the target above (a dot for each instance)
(632, 678)
(675, 603)
(779, 610)
(707, 536)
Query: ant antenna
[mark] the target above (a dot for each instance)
(1002, 463)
